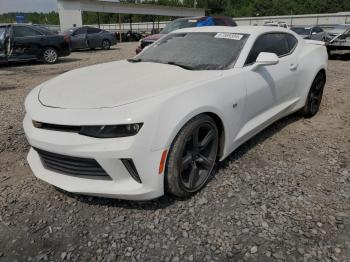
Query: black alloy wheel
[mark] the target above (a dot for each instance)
(314, 98)
(106, 45)
(192, 157)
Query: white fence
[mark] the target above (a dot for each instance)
(139, 27)
(322, 20)
(124, 27)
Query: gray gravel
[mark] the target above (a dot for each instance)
(283, 196)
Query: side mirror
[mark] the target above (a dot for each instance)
(265, 59)
(314, 33)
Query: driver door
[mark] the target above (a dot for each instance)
(94, 37)
(79, 38)
(6, 42)
(270, 89)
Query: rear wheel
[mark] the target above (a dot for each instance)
(314, 97)
(50, 55)
(192, 157)
(106, 45)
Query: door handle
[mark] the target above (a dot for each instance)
(293, 67)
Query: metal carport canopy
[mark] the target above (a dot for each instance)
(70, 10)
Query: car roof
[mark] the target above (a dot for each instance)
(305, 27)
(252, 30)
(203, 17)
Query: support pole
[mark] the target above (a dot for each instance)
(120, 29)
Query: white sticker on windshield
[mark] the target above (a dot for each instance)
(229, 36)
(192, 21)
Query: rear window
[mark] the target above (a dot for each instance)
(25, 31)
(93, 30)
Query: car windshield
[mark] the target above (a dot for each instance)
(301, 30)
(195, 51)
(178, 24)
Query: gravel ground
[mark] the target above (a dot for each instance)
(282, 196)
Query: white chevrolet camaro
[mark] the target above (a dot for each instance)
(159, 122)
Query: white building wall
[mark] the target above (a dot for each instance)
(70, 14)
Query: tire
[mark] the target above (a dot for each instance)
(106, 45)
(50, 55)
(314, 97)
(192, 157)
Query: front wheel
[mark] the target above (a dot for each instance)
(314, 98)
(192, 157)
(50, 55)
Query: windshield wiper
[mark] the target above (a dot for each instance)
(180, 65)
(134, 60)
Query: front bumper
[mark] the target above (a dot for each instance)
(108, 153)
(64, 50)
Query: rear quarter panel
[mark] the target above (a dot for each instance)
(312, 58)
(58, 42)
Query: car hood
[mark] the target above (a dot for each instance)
(153, 37)
(116, 83)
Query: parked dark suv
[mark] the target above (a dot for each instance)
(27, 42)
(184, 23)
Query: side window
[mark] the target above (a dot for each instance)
(80, 31)
(271, 43)
(317, 30)
(24, 31)
(219, 22)
(93, 30)
(230, 22)
(292, 42)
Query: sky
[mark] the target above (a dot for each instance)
(27, 6)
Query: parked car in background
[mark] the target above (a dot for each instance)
(338, 30)
(88, 37)
(185, 23)
(339, 42)
(111, 130)
(27, 42)
(313, 33)
(276, 24)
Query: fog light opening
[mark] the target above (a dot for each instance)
(130, 166)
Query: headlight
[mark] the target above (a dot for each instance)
(112, 131)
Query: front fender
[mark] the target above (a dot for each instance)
(226, 102)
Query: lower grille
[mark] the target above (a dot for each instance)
(71, 165)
